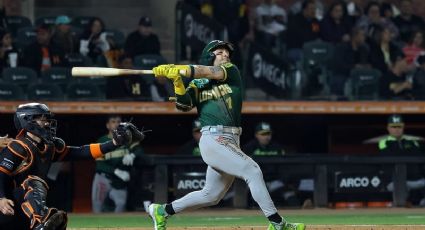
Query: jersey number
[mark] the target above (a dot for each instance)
(229, 103)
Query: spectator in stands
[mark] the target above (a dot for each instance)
(302, 27)
(407, 22)
(10, 56)
(414, 47)
(93, 41)
(42, 55)
(348, 55)
(263, 145)
(143, 40)
(270, 21)
(191, 148)
(336, 25)
(383, 51)
(297, 8)
(161, 89)
(419, 78)
(397, 83)
(373, 19)
(133, 88)
(354, 8)
(109, 191)
(390, 9)
(62, 36)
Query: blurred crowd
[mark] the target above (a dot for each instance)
(379, 35)
(376, 35)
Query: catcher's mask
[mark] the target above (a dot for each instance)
(26, 116)
(207, 56)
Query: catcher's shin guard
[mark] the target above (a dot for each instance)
(34, 205)
(53, 220)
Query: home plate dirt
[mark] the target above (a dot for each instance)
(312, 227)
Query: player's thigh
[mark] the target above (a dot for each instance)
(119, 196)
(101, 187)
(222, 152)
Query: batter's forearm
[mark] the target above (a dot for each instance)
(88, 151)
(209, 72)
(202, 71)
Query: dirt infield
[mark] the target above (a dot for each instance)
(313, 227)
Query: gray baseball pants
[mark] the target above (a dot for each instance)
(221, 152)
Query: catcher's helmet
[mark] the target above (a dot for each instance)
(207, 56)
(25, 116)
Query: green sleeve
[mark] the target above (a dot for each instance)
(382, 144)
(104, 166)
(137, 150)
(231, 74)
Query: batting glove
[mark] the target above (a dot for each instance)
(128, 159)
(161, 70)
(123, 175)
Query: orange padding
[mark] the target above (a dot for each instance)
(95, 150)
(349, 205)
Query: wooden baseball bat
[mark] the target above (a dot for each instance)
(108, 72)
(105, 72)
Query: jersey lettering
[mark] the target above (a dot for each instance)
(215, 92)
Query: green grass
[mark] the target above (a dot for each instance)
(142, 220)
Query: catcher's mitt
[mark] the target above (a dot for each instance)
(127, 133)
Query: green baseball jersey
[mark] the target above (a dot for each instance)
(113, 160)
(218, 102)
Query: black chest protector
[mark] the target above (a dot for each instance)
(38, 160)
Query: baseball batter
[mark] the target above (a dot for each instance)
(216, 92)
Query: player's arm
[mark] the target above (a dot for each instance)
(191, 71)
(93, 151)
(123, 135)
(11, 158)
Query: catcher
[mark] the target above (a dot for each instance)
(217, 94)
(25, 161)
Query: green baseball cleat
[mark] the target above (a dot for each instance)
(286, 226)
(158, 215)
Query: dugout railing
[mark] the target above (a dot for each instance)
(320, 166)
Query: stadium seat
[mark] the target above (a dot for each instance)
(81, 21)
(14, 23)
(77, 59)
(363, 84)
(26, 36)
(45, 91)
(49, 20)
(10, 92)
(117, 36)
(317, 57)
(83, 92)
(19, 75)
(57, 75)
